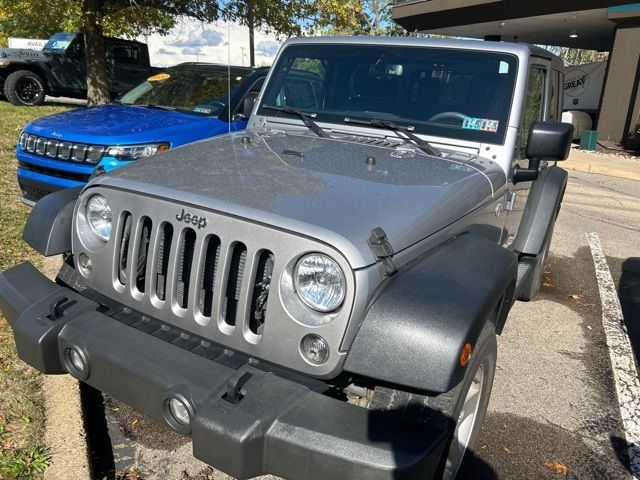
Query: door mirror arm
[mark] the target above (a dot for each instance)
(527, 174)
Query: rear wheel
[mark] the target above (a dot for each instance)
(461, 410)
(24, 88)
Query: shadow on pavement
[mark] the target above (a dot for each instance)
(629, 294)
(624, 450)
(416, 428)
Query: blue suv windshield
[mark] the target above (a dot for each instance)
(446, 92)
(199, 91)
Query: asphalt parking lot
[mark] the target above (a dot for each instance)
(554, 411)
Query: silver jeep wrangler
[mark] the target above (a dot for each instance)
(318, 296)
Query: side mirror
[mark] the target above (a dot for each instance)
(547, 141)
(248, 103)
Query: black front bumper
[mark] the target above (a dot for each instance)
(276, 425)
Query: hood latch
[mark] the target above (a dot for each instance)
(383, 251)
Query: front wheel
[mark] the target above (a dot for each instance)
(24, 88)
(461, 410)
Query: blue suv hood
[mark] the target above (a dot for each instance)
(116, 124)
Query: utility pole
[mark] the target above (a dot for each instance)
(250, 21)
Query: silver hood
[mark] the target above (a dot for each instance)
(321, 188)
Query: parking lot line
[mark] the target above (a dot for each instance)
(621, 354)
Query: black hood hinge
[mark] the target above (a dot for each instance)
(383, 251)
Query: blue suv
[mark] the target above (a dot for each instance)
(183, 104)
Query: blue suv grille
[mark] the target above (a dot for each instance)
(52, 148)
(52, 172)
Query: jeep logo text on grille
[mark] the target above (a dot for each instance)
(185, 217)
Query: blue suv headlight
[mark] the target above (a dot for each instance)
(135, 152)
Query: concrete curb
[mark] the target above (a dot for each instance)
(603, 165)
(64, 435)
(64, 430)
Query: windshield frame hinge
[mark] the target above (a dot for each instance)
(383, 251)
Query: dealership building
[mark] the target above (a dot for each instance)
(600, 25)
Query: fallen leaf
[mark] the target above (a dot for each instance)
(558, 467)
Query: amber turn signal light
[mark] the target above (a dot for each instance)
(465, 355)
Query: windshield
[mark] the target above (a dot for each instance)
(199, 91)
(443, 92)
(59, 42)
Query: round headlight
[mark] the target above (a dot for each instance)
(319, 282)
(98, 214)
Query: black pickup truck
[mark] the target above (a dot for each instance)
(27, 76)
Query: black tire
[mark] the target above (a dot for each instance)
(532, 285)
(24, 87)
(445, 409)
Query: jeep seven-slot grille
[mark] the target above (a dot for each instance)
(196, 261)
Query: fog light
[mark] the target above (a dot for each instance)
(76, 359)
(179, 412)
(76, 363)
(84, 265)
(315, 349)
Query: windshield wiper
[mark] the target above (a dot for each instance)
(157, 107)
(305, 117)
(422, 144)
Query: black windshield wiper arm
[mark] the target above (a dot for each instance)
(305, 117)
(157, 107)
(422, 144)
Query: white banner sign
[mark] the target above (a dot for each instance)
(30, 43)
(583, 86)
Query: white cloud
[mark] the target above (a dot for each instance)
(164, 51)
(191, 51)
(215, 42)
(200, 38)
(267, 47)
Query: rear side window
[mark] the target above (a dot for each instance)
(126, 53)
(534, 106)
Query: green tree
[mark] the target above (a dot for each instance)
(357, 17)
(578, 56)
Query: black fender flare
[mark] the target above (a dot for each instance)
(540, 211)
(48, 228)
(415, 329)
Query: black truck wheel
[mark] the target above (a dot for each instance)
(24, 88)
(461, 410)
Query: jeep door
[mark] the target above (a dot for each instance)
(542, 103)
(68, 68)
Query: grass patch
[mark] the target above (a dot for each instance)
(23, 454)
